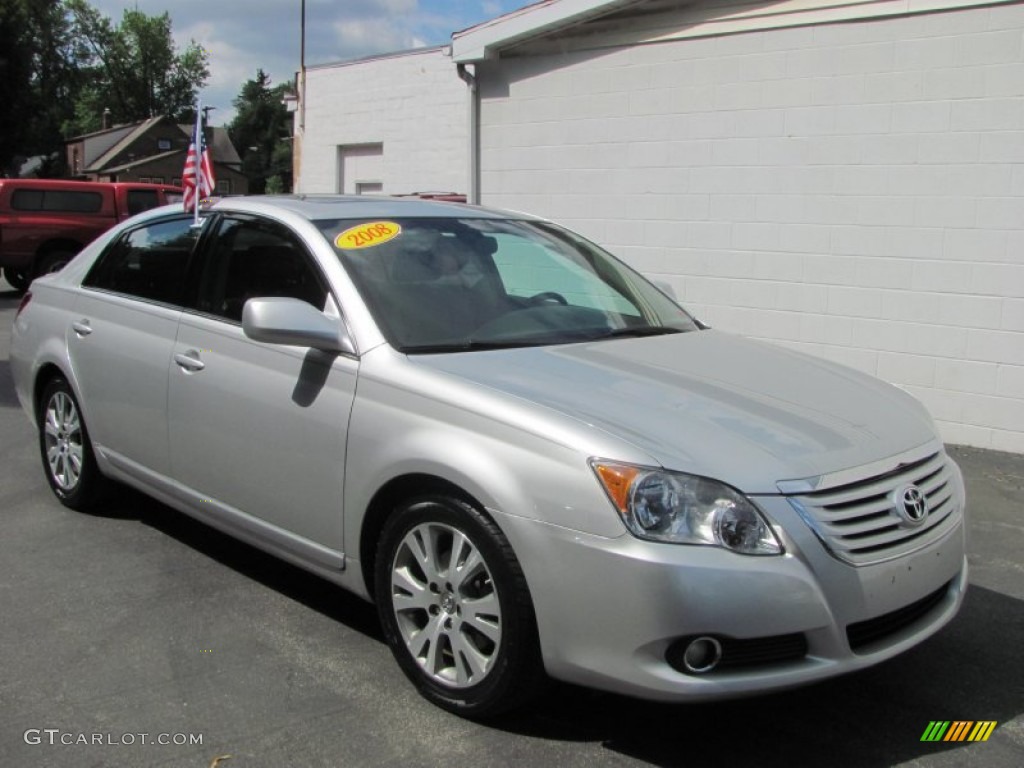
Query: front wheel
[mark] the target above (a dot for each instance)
(67, 454)
(455, 608)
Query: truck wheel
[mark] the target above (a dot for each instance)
(17, 278)
(53, 261)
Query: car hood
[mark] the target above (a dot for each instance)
(745, 412)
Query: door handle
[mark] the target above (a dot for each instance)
(81, 327)
(190, 360)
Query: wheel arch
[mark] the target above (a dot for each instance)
(53, 364)
(383, 503)
(58, 244)
(531, 478)
(55, 245)
(47, 372)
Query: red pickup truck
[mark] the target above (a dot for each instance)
(44, 222)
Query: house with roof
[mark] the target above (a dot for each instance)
(154, 151)
(844, 178)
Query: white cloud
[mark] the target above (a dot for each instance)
(367, 36)
(399, 7)
(243, 36)
(230, 67)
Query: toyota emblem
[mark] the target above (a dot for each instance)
(911, 504)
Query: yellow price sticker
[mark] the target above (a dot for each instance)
(368, 235)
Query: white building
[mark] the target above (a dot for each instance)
(845, 178)
(392, 124)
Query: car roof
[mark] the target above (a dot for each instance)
(319, 207)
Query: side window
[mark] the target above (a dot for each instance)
(27, 200)
(140, 200)
(72, 202)
(252, 258)
(148, 262)
(58, 200)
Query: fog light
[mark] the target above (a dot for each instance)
(702, 655)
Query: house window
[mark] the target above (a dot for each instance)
(369, 188)
(224, 186)
(176, 182)
(158, 179)
(144, 179)
(163, 144)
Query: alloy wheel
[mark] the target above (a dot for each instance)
(63, 441)
(446, 605)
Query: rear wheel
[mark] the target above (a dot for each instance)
(455, 608)
(67, 454)
(18, 278)
(53, 261)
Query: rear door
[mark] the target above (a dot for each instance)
(259, 430)
(121, 336)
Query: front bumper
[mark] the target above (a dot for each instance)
(608, 610)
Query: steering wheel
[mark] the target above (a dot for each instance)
(548, 297)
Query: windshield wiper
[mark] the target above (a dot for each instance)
(470, 346)
(560, 337)
(640, 330)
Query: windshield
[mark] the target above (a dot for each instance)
(449, 285)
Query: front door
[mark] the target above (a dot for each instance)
(261, 428)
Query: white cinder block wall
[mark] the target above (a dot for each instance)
(413, 103)
(854, 190)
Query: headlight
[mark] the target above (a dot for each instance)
(685, 509)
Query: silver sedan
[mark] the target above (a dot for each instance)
(529, 457)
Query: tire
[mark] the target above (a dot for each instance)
(66, 451)
(18, 279)
(53, 261)
(455, 608)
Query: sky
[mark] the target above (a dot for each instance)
(242, 36)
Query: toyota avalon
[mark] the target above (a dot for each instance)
(531, 459)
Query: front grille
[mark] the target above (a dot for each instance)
(858, 522)
(871, 631)
(748, 652)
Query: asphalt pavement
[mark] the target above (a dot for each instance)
(139, 637)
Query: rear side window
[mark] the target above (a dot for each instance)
(140, 200)
(148, 262)
(56, 200)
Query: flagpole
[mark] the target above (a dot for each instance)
(198, 137)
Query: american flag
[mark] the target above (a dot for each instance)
(197, 178)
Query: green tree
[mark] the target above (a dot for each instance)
(261, 134)
(38, 76)
(133, 69)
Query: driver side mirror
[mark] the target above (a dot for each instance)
(282, 320)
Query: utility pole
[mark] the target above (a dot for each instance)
(302, 70)
(300, 129)
(206, 124)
